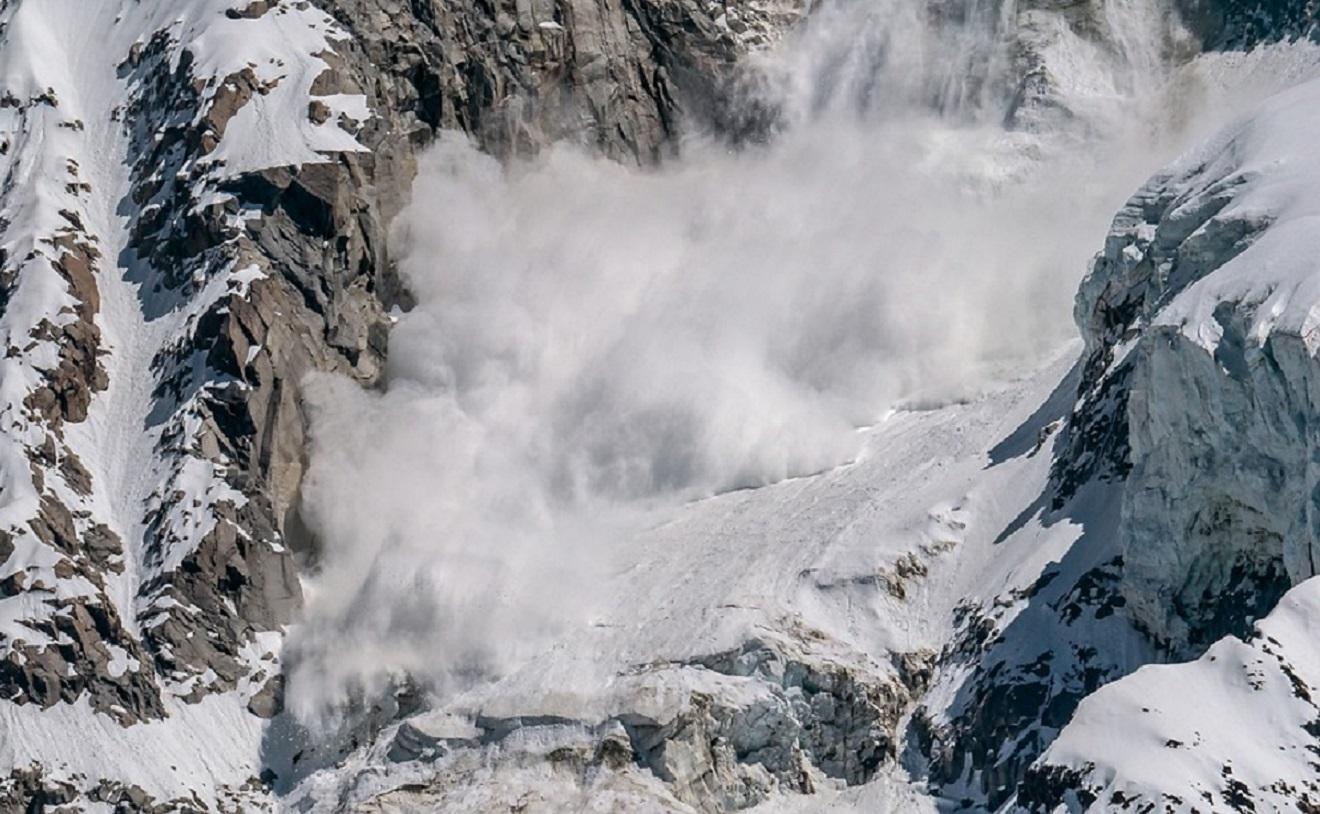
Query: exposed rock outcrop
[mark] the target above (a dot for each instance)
(720, 733)
(617, 77)
(1245, 24)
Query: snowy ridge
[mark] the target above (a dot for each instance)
(1232, 731)
(1249, 186)
(44, 194)
(109, 486)
(1268, 171)
(1224, 265)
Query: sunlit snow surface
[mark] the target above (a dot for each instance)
(1244, 712)
(1273, 158)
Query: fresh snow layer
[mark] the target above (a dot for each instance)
(209, 748)
(1244, 712)
(1269, 165)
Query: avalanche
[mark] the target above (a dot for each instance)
(768, 476)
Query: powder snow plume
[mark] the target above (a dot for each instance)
(591, 339)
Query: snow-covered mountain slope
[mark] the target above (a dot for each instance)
(1232, 731)
(912, 630)
(142, 571)
(1213, 268)
(196, 215)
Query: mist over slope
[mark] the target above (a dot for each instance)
(590, 339)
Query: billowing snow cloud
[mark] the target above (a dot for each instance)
(591, 338)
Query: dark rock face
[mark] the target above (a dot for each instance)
(1244, 24)
(1045, 788)
(615, 76)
